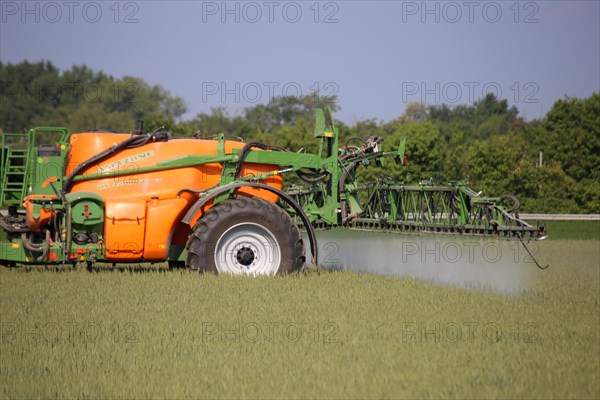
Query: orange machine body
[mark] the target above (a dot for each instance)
(142, 209)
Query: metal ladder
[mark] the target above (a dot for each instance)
(16, 165)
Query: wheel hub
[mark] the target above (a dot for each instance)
(245, 256)
(247, 248)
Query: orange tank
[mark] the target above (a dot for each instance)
(143, 211)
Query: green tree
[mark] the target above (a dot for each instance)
(38, 93)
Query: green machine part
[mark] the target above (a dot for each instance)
(32, 163)
(84, 227)
(87, 212)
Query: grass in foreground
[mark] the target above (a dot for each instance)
(159, 333)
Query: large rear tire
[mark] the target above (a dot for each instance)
(246, 235)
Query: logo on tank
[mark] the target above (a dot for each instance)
(115, 165)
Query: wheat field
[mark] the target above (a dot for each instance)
(138, 332)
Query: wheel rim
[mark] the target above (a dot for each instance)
(247, 248)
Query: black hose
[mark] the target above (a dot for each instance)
(348, 154)
(516, 202)
(355, 138)
(309, 178)
(198, 192)
(453, 206)
(68, 232)
(314, 178)
(347, 170)
(247, 148)
(341, 185)
(531, 255)
(56, 226)
(130, 143)
(34, 247)
(46, 247)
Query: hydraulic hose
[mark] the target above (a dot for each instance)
(68, 233)
(341, 186)
(247, 148)
(314, 178)
(129, 143)
(46, 246)
(355, 138)
(309, 178)
(37, 247)
(516, 202)
(34, 247)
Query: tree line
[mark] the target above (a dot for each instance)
(485, 143)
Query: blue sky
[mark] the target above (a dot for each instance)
(377, 56)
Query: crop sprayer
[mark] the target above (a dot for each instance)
(217, 205)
